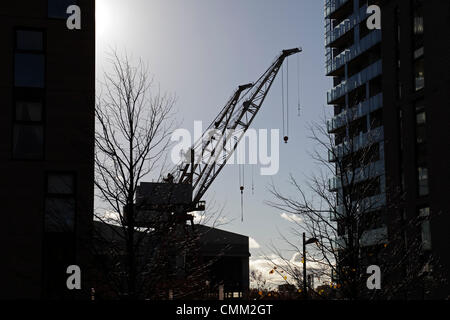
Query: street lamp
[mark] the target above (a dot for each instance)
(311, 240)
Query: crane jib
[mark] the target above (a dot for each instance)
(234, 115)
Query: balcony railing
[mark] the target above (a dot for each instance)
(332, 5)
(355, 81)
(332, 34)
(368, 238)
(370, 170)
(362, 109)
(358, 142)
(374, 237)
(364, 205)
(337, 32)
(354, 51)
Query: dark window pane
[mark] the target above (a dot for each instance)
(424, 212)
(28, 141)
(423, 181)
(60, 184)
(422, 153)
(28, 111)
(421, 134)
(419, 74)
(29, 70)
(30, 40)
(420, 106)
(426, 235)
(59, 214)
(58, 8)
(418, 53)
(418, 24)
(421, 118)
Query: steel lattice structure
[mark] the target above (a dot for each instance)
(210, 154)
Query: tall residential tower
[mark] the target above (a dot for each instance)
(391, 89)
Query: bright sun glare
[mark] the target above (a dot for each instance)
(103, 17)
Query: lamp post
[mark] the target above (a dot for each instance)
(312, 240)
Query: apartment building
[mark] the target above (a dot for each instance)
(391, 93)
(47, 90)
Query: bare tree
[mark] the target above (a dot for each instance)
(133, 124)
(347, 207)
(141, 248)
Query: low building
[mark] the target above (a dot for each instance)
(229, 254)
(220, 259)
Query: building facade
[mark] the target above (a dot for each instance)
(228, 253)
(391, 91)
(47, 90)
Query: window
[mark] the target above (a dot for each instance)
(418, 21)
(418, 53)
(418, 40)
(29, 40)
(397, 52)
(58, 8)
(28, 105)
(424, 212)
(29, 59)
(29, 70)
(422, 177)
(60, 203)
(421, 133)
(59, 226)
(29, 111)
(376, 118)
(419, 74)
(421, 148)
(28, 141)
(426, 235)
(425, 228)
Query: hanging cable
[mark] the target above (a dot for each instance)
(287, 101)
(284, 107)
(282, 98)
(298, 87)
(242, 183)
(253, 180)
(242, 206)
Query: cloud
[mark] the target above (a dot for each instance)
(263, 266)
(291, 217)
(200, 217)
(296, 258)
(253, 244)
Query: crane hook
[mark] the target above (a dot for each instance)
(286, 139)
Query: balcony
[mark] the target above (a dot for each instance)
(374, 237)
(337, 32)
(368, 238)
(373, 203)
(371, 170)
(364, 205)
(361, 110)
(355, 81)
(331, 6)
(354, 51)
(358, 142)
(333, 34)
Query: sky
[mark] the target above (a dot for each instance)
(201, 50)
